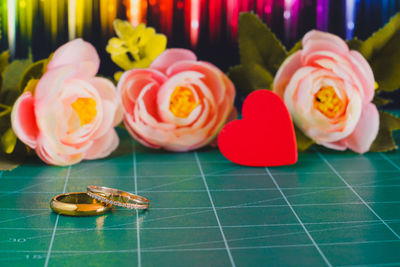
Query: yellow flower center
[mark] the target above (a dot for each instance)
(86, 109)
(328, 102)
(182, 102)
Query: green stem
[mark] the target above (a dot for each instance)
(7, 110)
(5, 106)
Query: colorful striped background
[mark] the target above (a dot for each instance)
(207, 26)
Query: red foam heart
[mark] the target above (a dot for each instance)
(264, 137)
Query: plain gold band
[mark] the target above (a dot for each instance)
(78, 204)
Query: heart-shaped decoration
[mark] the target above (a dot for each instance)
(265, 136)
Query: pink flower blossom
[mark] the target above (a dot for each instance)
(328, 90)
(178, 103)
(72, 113)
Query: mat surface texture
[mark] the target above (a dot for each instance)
(329, 209)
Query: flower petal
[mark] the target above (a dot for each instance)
(299, 98)
(76, 52)
(188, 79)
(52, 82)
(365, 73)
(123, 28)
(285, 73)
(103, 146)
(46, 152)
(316, 41)
(72, 90)
(132, 83)
(129, 124)
(107, 120)
(23, 120)
(171, 56)
(366, 130)
(156, 46)
(338, 145)
(212, 76)
(107, 91)
(148, 111)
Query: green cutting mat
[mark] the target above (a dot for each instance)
(329, 209)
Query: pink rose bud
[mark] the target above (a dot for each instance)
(178, 103)
(72, 114)
(328, 90)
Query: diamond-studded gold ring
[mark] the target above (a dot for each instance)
(117, 197)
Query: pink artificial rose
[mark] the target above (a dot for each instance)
(178, 103)
(72, 114)
(328, 90)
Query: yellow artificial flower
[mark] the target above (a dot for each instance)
(135, 47)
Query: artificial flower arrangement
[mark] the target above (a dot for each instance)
(328, 85)
(168, 99)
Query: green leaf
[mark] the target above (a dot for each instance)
(260, 77)
(34, 71)
(9, 162)
(258, 45)
(380, 101)
(297, 46)
(380, 39)
(382, 50)
(239, 77)
(251, 77)
(11, 78)
(355, 44)
(8, 141)
(17, 156)
(384, 141)
(303, 141)
(31, 86)
(12, 160)
(4, 61)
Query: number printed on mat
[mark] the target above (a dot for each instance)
(34, 257)
(17, 240)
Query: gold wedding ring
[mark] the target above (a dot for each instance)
(117, 197)
(78, 204)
